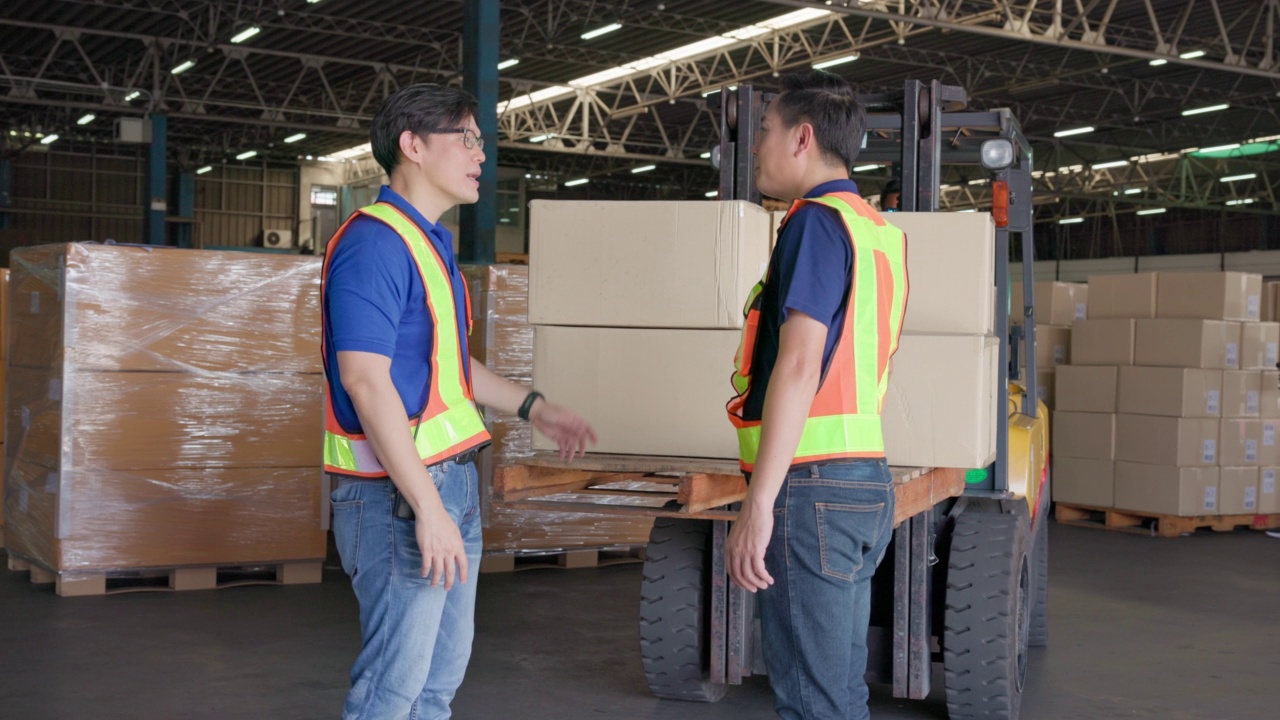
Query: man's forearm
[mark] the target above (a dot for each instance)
(786, 407)
(495, 391)
(381, 414)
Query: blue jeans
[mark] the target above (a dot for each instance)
(831, 526)
(416, 638)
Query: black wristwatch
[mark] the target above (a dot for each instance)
(527, 405)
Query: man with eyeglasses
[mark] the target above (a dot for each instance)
(402, 426)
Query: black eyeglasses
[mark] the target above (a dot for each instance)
(470, 140)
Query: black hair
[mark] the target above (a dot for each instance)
(828, 103)
(893, 186)
(419, 108)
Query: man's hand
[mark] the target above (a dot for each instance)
(745, 548)
(443, 553)
(561, 424)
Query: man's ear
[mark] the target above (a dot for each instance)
(411, 146)
(804, 138)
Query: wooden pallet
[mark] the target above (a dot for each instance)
(112, 582)
(1156, 524)
(561, 559)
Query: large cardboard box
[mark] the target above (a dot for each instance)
(1122, 296)
(1056, 303)
(1167, 489)
(1102, 342)
(1053, 347)
(1259, 345)
(1155, 440)
(1082, 481)
(1211, 344)
(127, 308)
(1084, 435)
(501, 336)
(940, 409)
(1241, 394)
(1210, 295)
(1238, 491)
(1269, 394)
(1248, 443)
(951, 265)
(1090, 389)
(657, 264)
(1046, 387)
(1172, 392)
(1268, 496)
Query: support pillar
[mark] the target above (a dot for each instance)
(155, 206)
(480, 78)
(185, 193)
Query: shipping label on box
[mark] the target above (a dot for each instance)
(1167, 489)
(1171, 392)
(951, 266)
(1258, 345)
(1102, 342)
(1209, 295)
(1084, 435)
(1053, 347)
(1249, 443)
(1123, 296)
(1090, 389)
(1083, 481)
(1155, 440)
(1269, 394)
(1210, 344)
(1268, 497)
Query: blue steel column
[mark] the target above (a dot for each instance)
(480, 78)
(186, 197)
(6, 191)
(154, 205)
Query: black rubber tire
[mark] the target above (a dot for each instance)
(1038, 634)
(674, 611)
(987, 619)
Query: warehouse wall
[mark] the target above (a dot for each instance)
(234, 204)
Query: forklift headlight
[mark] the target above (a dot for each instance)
(997, 154)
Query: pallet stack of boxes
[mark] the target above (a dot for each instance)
(151, 425)
(1059, 305)
(1170, 406)
(638, 307)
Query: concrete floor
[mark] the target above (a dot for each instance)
(1177, 629)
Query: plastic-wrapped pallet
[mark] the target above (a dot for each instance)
(164, 409)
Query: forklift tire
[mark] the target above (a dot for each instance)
(675, 598)
(1038, 635)
(988, 612)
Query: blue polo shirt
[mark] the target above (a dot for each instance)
(375, 302)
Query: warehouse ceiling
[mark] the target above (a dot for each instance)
(602, 106)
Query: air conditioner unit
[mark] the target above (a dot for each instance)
(133, 130)
(277, 239)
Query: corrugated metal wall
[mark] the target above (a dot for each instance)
(66, 197)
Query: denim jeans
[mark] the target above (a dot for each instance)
(831, 526)
(416, 638)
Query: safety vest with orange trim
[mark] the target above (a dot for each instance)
(449, 424)
(844, 419)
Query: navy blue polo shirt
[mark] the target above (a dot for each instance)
(375, 302)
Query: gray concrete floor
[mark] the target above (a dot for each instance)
(1178, 629)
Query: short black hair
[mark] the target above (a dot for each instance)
(828, 103)
(420, 108)
(893, 186)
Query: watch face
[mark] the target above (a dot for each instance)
(890, 210)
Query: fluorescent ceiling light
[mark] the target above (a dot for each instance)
(1073, 131)
(205, 169)
(1134, 191)
(86, 119)
(1111, 164)
(49, 139)
(1210, 108)
(1158, 62)
(866, 168)
(1192, 55)
(132, 96)
(711, 193)
(541, 138)
(245, 34)
(837, 61)
(246, 154)
(550, 93)
(643, 168)
(601, 31)
(1220, 148)
(1070, 221)
(579, 181)
(1233, 178)
(979, 181)
(508, 63)
(705, 155)
(1154, 157)
(1241, 201)
(1153, 211)
(295, 138)
(970, 210)
(349, 153)
(183, 67)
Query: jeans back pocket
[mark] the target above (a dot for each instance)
(846, 534)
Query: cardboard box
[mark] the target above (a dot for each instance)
(1269, 394)
(1102, 342)
(1259, 345)
(1211, 344)
(1123, 296)
(1171, 392)
(1238, 491)
(1091, 389)
(1056, 303)
(1210, 296)
(1248, 443)
(655, 264)
(951, 266)
(1186, 442)
(4, 313)
(1268, 496)
(1053, 347)
(1046, 387)
(1081, 481)
(1083, 435)
(1241, 394)
(1166, 489)
(501, 336)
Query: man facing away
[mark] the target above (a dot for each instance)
(811, 377)
(402, 428)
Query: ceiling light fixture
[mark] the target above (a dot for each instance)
(245, 34)
(643, 168)
(1073, 131)
(86, 119)
(600, 31)
(295, 138)
(508, 63)
(1233, 178)
(836, 61)
(1207, 109)
(247, 154)
(49, 139)
(575, 183)
(1070, 221)
(1193, 54)
(1111, 164)
(205, 169)
(183, 67)
(1153, 211)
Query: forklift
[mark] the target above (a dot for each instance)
(964, 583)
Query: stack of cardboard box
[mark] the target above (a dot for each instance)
(1059, 305)
(1171, 404)
(164, 409)
(637, 326)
